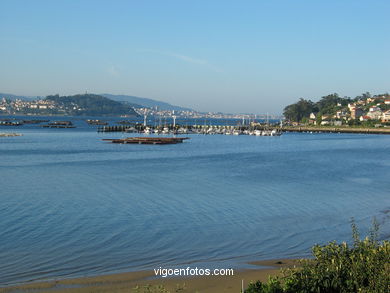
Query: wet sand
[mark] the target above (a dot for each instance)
(125, 282)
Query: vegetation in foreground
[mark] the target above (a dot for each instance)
(361, 267)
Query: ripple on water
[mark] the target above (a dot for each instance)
(72, 205)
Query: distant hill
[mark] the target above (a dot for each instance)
(132, 101)
(145, 102)
(14, 97)
(89, 104)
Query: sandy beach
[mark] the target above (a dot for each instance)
(125, 282)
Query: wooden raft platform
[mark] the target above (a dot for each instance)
(147, 140)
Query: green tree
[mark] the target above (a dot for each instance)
(302, 109)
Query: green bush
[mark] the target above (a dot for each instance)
(362, 267)
(273, 286)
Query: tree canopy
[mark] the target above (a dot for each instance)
(299, 110)
(328, 104)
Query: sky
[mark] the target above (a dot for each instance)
(229, 56)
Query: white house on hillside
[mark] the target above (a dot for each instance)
(375, 113)
(386, 116)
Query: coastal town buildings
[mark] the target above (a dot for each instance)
(374, 108)
(43, 106)
(386, 116)
(366, 110)
(356, 112)
(375, 113)
(18, 106)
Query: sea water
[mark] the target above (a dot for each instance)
(72, 205)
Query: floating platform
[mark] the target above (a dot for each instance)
(10, 123)
(96, 122)
(10, 134)
(34, 121)
(59, 124)
(147, 140)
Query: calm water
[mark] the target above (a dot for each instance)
(72, 205)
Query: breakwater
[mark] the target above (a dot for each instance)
(335, 130)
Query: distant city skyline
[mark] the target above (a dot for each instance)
(228, 56)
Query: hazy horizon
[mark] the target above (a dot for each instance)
(223, 56)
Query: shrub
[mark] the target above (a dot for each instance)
(273, 286)
(362, 267)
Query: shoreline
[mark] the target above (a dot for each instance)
(337, 129)
(125, 282)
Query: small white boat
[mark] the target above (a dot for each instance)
(165, 130)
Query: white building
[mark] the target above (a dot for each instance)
(375, 114)
(386, 116)
(374, 109)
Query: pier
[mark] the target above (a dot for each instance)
(195, 129)
(115, 128)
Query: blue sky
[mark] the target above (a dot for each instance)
(231, 56)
